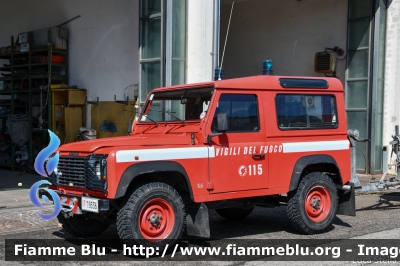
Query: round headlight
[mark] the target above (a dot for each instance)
(55, 171)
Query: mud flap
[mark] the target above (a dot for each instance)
(197, 222)
(347, 201)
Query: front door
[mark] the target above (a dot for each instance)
(240, 159)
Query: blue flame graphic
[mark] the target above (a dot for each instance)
(45, 166)
(44, 155)
(35, 200)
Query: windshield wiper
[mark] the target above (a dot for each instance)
(160, 111)
(147, 117)
(141, 115)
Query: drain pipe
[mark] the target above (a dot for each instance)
(217, 4)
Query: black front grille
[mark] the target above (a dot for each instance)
(71, 171)
(80, 172)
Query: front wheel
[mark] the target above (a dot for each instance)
(153, 215)
(313, 205)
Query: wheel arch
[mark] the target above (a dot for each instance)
(136, 173)
(317, 162)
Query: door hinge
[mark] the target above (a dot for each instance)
(210, 186)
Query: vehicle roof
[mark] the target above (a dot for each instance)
(261, 82)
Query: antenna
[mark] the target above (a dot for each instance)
(226, 38)
(291, 63)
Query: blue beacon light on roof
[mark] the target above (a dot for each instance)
(268, 67)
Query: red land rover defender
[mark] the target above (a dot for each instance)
(227, 145)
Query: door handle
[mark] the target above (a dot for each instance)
(258, 156)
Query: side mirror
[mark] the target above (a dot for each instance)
(222, 126)
(222, 122)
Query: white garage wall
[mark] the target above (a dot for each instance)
(262, 29)
(103, 45)
(392, 77)
(199, 41)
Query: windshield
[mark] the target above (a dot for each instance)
(178, 105)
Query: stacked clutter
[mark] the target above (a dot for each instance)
(87, 133)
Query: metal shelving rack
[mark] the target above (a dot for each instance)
(31, 91)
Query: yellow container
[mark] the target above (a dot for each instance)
(58, 86)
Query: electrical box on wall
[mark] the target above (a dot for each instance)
(325, 62)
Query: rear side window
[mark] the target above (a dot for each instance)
(296, 111)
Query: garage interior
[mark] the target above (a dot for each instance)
(67, 67)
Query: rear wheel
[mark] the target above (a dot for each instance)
(313, 205)
(81, 226)
(153, 215)
(234, 213)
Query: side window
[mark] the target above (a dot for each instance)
(306, 111)
(242, 111)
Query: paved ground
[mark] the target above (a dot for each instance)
(24, 220)
(16, 210)
(14, 188)
(377, 218)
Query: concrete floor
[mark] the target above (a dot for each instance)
(14, 188)
(377, 216)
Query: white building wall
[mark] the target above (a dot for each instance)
(262, 29)
(199, 41)
(392, 69)
(103, 44)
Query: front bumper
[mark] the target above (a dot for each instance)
(73, 203)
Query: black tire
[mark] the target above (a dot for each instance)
(81, 226)
(234, 213)
(144, 200)
(313, 205)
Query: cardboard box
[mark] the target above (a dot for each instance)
(24, 47)
(40, 38)
(69, 97)
(77, 97)
(25, 37)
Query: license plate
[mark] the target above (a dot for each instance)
(90, 205)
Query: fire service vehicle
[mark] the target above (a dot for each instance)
(228, 145)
